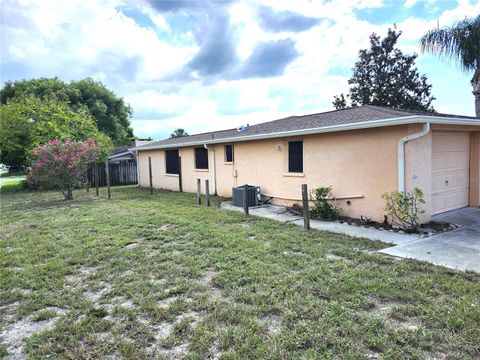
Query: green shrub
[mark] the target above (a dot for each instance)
(323, 208)
(404, 208)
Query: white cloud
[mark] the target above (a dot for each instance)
(75, 39)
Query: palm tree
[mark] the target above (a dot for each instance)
(460, 43)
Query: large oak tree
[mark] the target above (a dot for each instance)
(30, 121)
(111, 113)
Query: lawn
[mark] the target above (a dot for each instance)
(153, 276)
(11, 185)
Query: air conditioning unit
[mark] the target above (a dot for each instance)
(253, 195)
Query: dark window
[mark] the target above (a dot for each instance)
(295, 156)
(171, 158)
(201, 158)
(228, 153)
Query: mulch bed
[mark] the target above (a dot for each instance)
(427, 229)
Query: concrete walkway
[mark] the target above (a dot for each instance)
(280, 213)
(457, 249)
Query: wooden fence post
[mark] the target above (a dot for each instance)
(207, 193)
(150, 174)
(107, 176)
(180, 186)
(245, 199)
(199, 192)
(96, 179)
(306, 210)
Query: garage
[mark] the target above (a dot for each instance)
(450, 170)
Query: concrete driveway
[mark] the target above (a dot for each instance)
(457, 249)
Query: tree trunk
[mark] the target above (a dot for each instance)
(477, 105)
(67, 193)
(476, 91)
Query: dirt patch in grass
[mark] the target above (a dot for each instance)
(273, 323)
(334, 257)
(131, 245)
(384, 310)
(165, 227)
(95, 296)
(13, 334)
(15, 330)
(81, 275)
(207, 281)
(175, 352)
(165, 303)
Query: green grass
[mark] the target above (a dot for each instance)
(12, 185)
(6, 174)
(144, 276)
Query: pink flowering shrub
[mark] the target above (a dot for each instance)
(63, 164)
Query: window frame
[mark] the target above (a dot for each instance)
(289, 158)
(195, 158)
(232, 153)
(166, 162)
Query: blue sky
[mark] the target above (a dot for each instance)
(213, 65)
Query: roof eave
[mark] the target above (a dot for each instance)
(120, 154)
(324, 129)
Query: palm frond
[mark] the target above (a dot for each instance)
(459, 43)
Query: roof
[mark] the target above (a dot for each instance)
(119, 150)
(337, 120)
(122, 156)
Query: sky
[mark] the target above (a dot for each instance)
(214, 65)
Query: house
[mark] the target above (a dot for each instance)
(122, 165)
(361, 152)
(123, 153)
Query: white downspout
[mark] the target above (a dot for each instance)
(401, 154)
(214, 179)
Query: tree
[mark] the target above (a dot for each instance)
(29, 121)
(384, 76)
(339, 101)
(63, 164)
(178, 133)
(111, 114)
(459, 43)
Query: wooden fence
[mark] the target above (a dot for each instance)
(121, 173)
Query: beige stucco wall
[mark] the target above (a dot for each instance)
(418, 159)
(418, 167)
(360, 165)
(162, 180)
(474, 195)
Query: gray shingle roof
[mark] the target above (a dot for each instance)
(331, 118)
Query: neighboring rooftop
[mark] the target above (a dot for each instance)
(355, 115)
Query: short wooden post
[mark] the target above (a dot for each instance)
(97, 180)
(150, 174)
(180, 186)
(107, 175)
(245, 199)
(207, 193)
(199, 192)
(306, 210)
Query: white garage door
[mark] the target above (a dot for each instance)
(450, 171)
